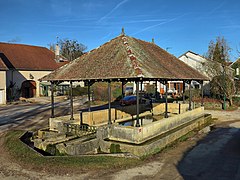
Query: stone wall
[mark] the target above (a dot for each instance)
(138, 135)
(172, 108)
(96, 118)
(159, 142)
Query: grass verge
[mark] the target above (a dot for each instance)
(60, 165)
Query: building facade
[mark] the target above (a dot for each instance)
(20, 68)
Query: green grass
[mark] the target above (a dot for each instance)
(26, 156)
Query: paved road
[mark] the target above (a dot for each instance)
(215, 157)
(32, 116)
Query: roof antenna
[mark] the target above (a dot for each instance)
(123, 33)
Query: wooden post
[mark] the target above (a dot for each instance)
(115, 115)
(71, 100)
(166, 100)
(156, 90)
(179, 108)
(109, 103)
(202, 103)
(52, 99)
(89, 100)
(183, 91)
(190, 96)
(137, 107)
(122, 89)
(81, 118)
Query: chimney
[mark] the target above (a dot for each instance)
(57, 52)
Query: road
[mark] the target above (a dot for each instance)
(32, 116)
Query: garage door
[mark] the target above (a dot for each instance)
(1, 96)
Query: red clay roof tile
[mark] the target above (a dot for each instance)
(126, 57)
(26, 57)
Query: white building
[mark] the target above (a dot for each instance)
(196, 61)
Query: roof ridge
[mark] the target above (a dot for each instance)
(131, 56)
(5, 43)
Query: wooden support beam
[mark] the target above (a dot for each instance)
(123, 83)
(190, 96)
(202, 100)
(156, 94)
(71, 100)
(109, 103)
(137, 106)
(89, 98)
(52, 99)
(81, 118)
(141, 86)
(166, 100)
(183, 91)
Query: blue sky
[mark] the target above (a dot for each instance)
(176, 25)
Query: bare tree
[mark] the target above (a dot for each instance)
(222, 82)
(71, 49)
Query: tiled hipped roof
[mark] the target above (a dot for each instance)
(126, 57)
(25, 57)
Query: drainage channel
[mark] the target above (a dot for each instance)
(26, 139)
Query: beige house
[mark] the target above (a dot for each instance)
(20, 68)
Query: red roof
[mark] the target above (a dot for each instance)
(125, 57)
(26, 57)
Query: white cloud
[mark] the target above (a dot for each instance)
(159, 24)
(113, 10)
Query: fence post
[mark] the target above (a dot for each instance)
(81, 118)
(115, 114)
(179, 110)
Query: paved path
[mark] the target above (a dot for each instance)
(217, 156)
(32, 116)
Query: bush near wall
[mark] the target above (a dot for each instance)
(150, 88)
(196, 93)
(79, 91)
(100, 91)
